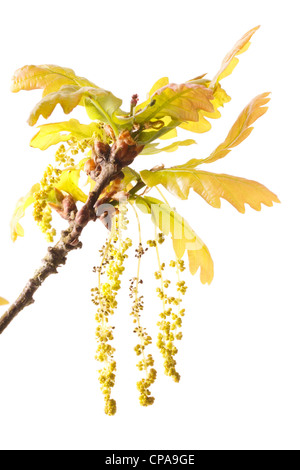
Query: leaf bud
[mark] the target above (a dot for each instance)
(101, 151)
(89, 166)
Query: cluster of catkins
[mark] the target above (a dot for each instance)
(104, 296)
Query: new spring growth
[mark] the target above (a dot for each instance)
(133, 103)
(104, 297)
(171, 315)
(41, 210)
(104, 149)
(146, 362)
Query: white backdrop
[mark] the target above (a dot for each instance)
(240, 354)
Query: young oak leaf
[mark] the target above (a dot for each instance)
(68, 97)
(201, 124)
(15, 227)
(48, 77)
(220, 97)
(179, 102)
(170, 134)
(198, 125)
(130, 175)
(3, 301)
(160, 83)
(183, 236)
(102, 102)
(149, 135)
(69, 182)
(241, 128)
(238, 133)
(151, 149)
(157, 85)
(211, 187)
(52, 134)
(23, 203)
(230, 61)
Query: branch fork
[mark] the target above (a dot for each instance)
(109, 162)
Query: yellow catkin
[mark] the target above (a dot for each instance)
(104, 297)
(41, 211)
(146, 363)
(170, 321)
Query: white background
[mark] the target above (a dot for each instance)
(240, 354)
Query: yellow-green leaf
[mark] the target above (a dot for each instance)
(3, 301)
(170, 134)
(238, 133)
(241, 128)
(160, 83)
(52, 134)
(211, 186)
(220, 97)
(230, 61)
(48, 77)
(68, 97)
(179, 102)
(149, 135)
(183, 236)
(130, 175)
(123, 119)
(104, 102)
(22, 204)
(151, 149)
(157, 85)
(101, 105)
(69, 182)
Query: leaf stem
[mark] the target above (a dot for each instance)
(162, 195)
(136, 290)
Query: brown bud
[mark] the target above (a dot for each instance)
(59, 195)
(66, 209)
(126, 138)
(100, 151)
(125, 149)
(109, 131)
(89, 166)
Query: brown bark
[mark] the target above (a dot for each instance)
(57, 255)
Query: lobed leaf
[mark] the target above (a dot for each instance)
(183, 236)
(151, 149)
(149, 135)
(160, 83)
(157, 85)
(238, 133)
(101, 104)
(201, 124)
(24, 202)
(48, 77)
(230, 61)
(179, 102)
(52, 134)
(68, 97)
(211, 187)
(69, 182)
(220, 97)
(130, 175)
